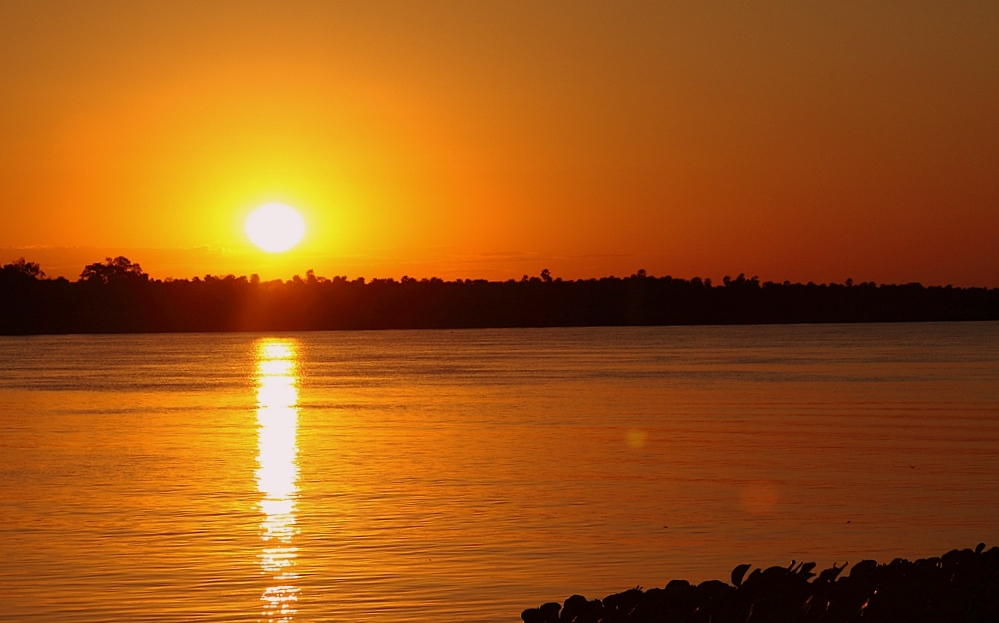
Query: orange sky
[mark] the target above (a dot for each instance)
(802, 141)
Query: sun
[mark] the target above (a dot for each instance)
(275, 227)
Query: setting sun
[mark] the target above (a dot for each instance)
(275, 227)
(458, 311)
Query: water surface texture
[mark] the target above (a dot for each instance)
(466, 475)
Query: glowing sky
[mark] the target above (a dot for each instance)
(803, 141)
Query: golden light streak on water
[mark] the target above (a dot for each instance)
(277, 475)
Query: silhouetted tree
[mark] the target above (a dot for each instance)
(117, 270)
(21, 267)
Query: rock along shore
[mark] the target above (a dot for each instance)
(961, 585)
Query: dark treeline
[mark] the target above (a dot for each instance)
(961, 585)
(116, 296)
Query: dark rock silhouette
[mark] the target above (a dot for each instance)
(116, 296)
(961, 585)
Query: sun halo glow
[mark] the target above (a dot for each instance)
(275, 227)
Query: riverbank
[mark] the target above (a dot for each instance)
(118, 297)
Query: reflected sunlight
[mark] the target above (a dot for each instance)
(277, 474)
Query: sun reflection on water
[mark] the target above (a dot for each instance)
(277, 475)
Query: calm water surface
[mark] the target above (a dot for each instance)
(466, 475)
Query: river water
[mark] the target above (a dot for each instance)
(466, 475)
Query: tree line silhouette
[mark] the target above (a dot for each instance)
(116, 296)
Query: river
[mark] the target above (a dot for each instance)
(398, 476)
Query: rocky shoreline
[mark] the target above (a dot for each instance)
(962, 585)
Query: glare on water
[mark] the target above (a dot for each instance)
(277, 474)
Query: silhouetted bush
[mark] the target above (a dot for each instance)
(960, 586)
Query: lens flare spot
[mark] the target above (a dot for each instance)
(635, 438)
(759, 498)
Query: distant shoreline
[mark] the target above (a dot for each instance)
(117, 297)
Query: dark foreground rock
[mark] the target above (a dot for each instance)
(961, 585)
